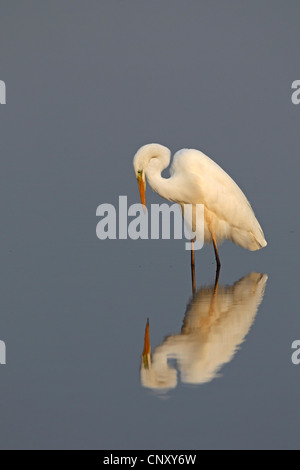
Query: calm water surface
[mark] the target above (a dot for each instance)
(86, 87)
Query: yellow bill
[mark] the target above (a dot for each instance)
(142, 191)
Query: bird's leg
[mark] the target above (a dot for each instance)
(193, 267)
(217, 281)
(216, 251)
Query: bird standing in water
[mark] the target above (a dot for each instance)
(196, 179)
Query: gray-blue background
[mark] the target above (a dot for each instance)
(87, 84)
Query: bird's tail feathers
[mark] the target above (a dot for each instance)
(249, 240)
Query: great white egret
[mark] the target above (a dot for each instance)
(196, 179)
(216, 322)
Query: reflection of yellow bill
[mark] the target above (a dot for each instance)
(147, 348)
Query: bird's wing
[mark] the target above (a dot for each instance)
(202, 181)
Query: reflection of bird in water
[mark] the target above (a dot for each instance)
(196, 179)
(216, 322)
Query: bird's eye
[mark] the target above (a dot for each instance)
(139, 173)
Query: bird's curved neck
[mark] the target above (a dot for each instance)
(159, 184)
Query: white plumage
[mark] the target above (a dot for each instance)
(196, 179)
(215, 325)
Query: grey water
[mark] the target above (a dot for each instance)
(86, 86)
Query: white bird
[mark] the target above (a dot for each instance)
(216, 323)
(196, 179)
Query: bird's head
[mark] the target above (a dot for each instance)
(141, 161)
(140, 176)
